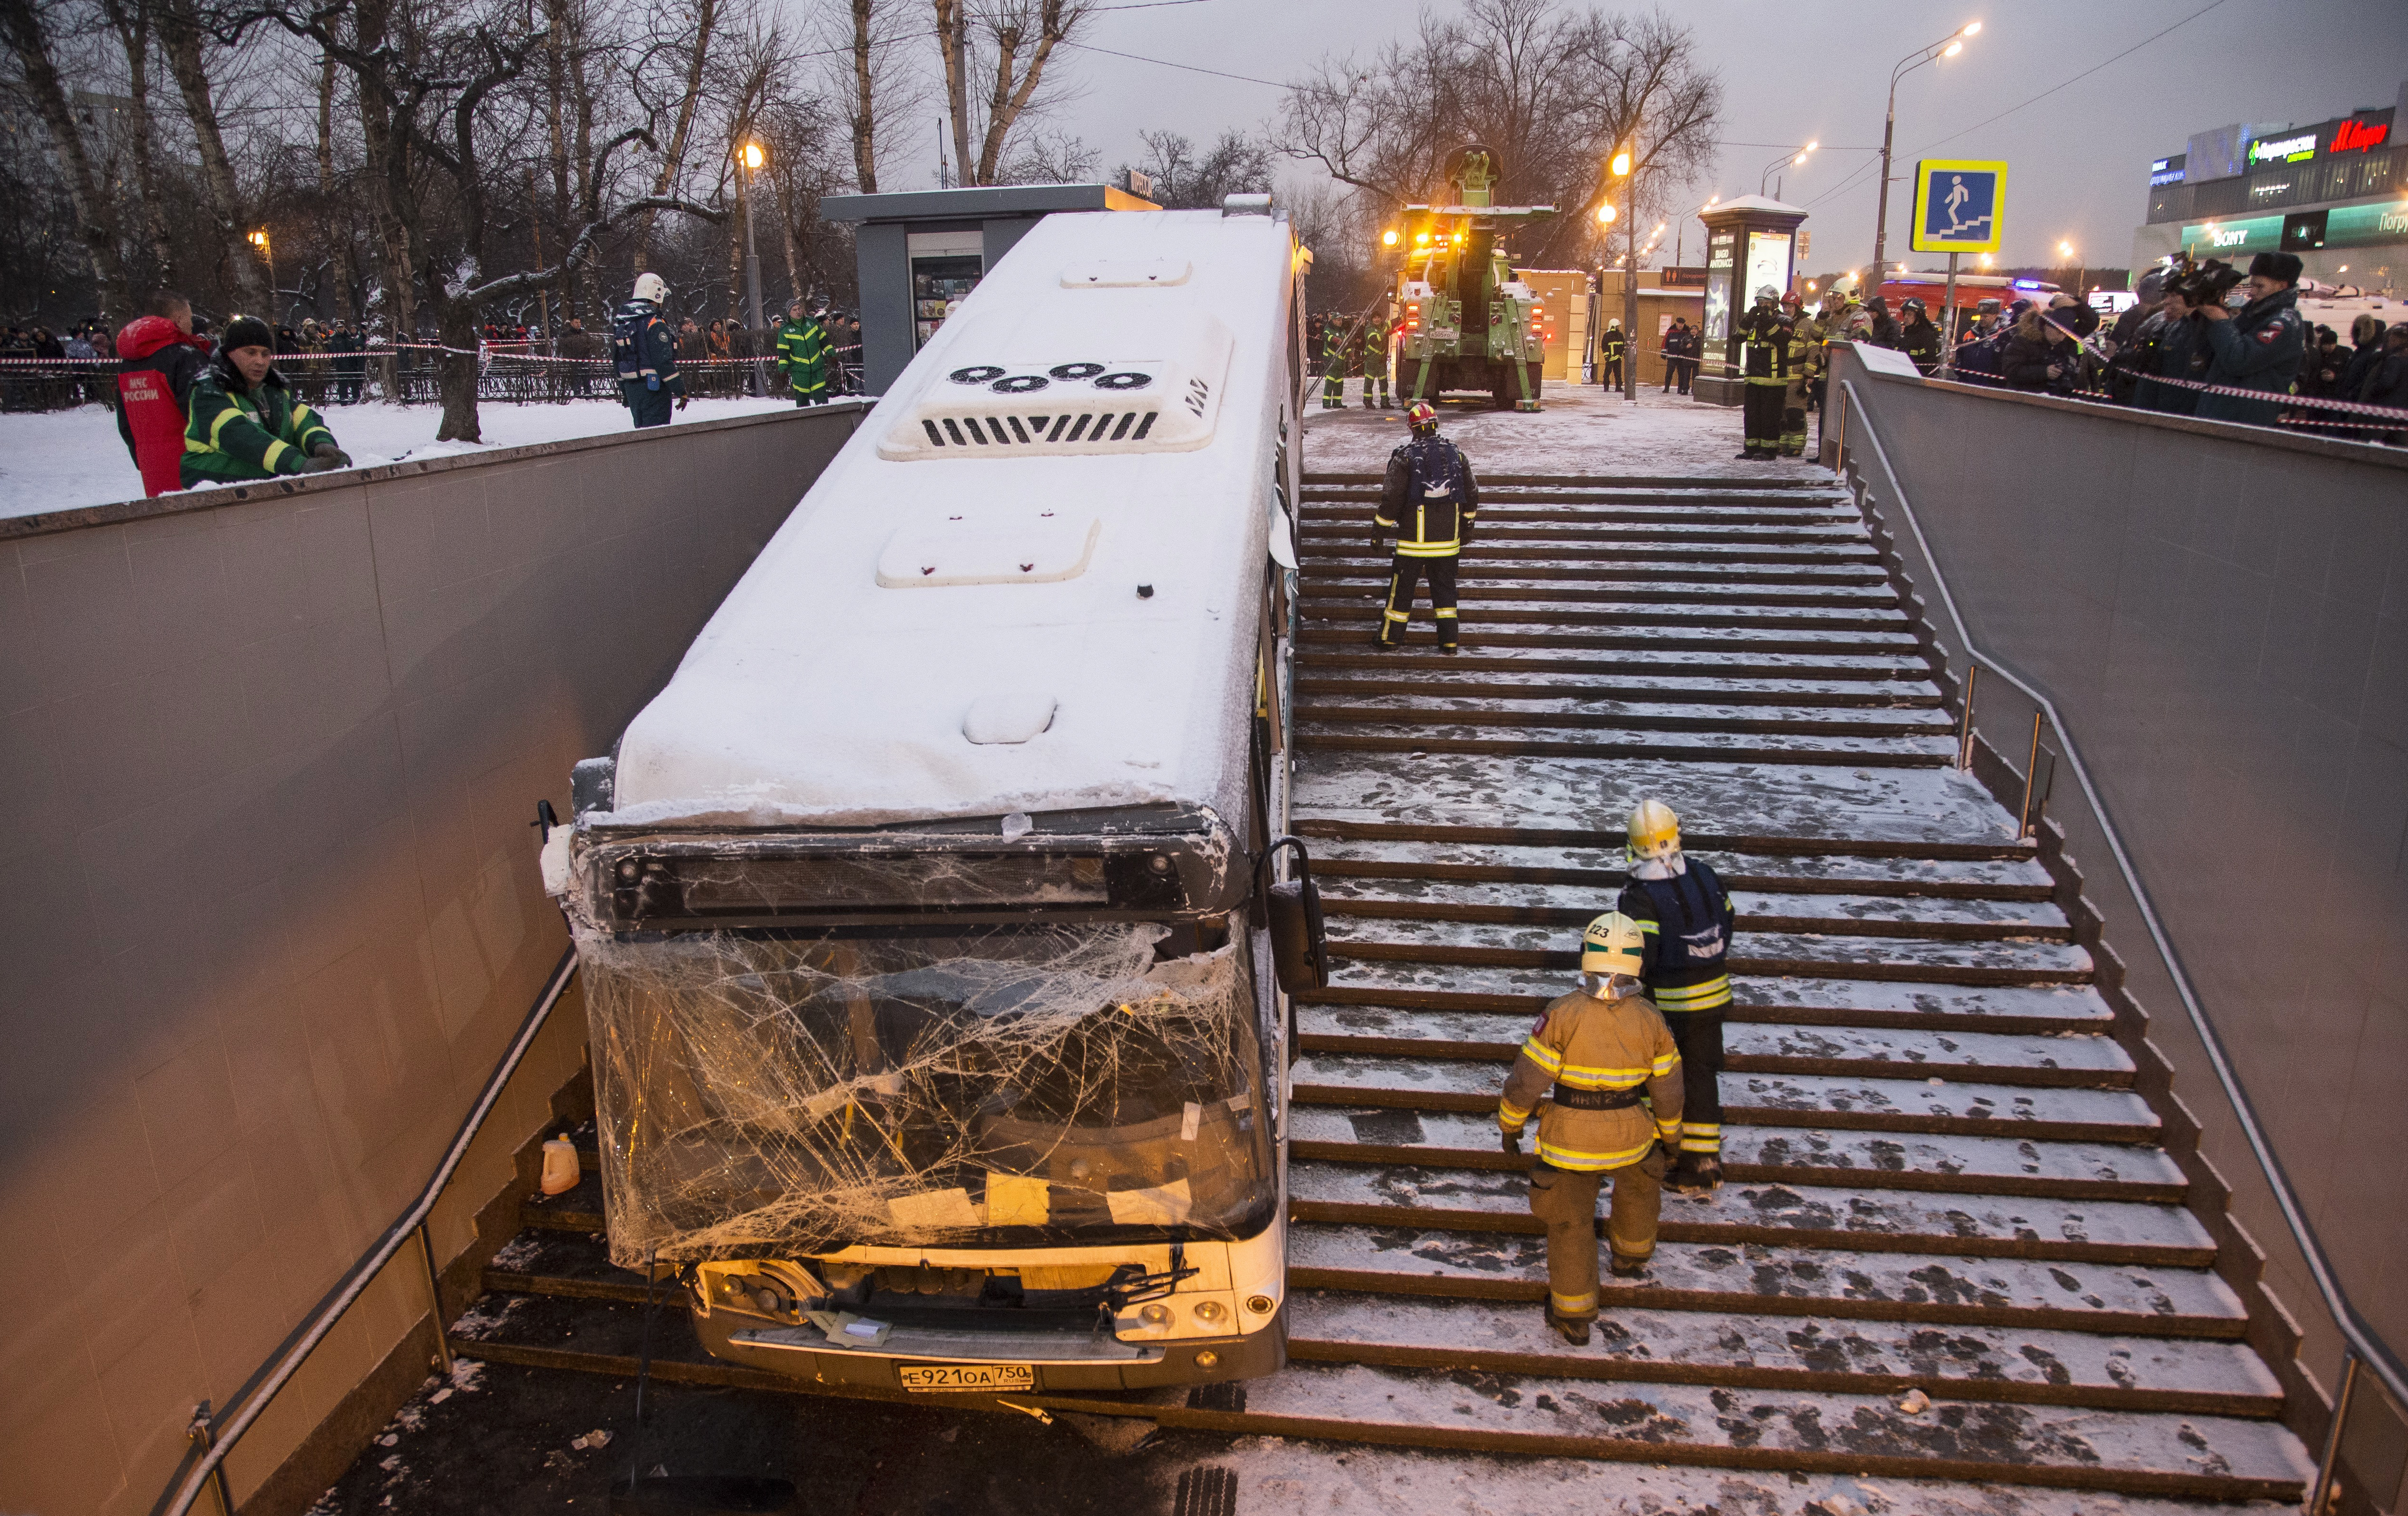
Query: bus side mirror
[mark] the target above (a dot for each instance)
(1299, 944)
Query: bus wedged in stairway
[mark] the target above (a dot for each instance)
(935, 1040)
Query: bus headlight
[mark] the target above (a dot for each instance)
(1210, 1312)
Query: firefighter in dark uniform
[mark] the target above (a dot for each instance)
(1429, 499)
(1611, 349)
(1375, 360)
(1922, 337)
(1684, 914)
(1601, 1070)
(1333, 364)
(1764, 364)
(643, 350)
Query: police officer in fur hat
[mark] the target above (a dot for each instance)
(2259, 347)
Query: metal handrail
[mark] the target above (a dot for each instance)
(254, 1398)
(2364, 1347)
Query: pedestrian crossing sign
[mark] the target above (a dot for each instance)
(1959, 203)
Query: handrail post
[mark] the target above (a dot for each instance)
(1965, 724)
(435, 1300)
(2328, 1466)
(201, 1431)
(2031, 774)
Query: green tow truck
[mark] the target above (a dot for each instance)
(1468, 325)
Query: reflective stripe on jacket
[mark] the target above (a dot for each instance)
(1685, 923)
(254, 433)
(1587, 1043)
(1431, 517)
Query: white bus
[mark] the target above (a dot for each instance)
(936, 1040)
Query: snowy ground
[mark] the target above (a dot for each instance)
(1580, 429)
(62, 459)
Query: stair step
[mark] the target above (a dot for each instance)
(1924, 1163)
(1754, 1280)
(1758, 910)
(1895, 959)
(1774, 1215)
(1441, 711)
(1774, 999)
(1441, 682)
(1365, 862)
(1819, 1101)
(1861, 1434)
(2085, 1062)
(1958, 1364)
(1702, 748)
(1550, 663)
(1620, 613)
(1771, 484)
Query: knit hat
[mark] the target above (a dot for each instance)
(247, 332)
(2284, 266)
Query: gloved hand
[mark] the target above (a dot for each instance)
(652, 383)
(682, 400)
(324, 463)
(1509, 1141)
(327, 449)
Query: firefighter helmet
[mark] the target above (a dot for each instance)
(1791, 297)
(1765, 292)
(1612, 945)
(652, 287)
(1421, 416)
(1653, 832)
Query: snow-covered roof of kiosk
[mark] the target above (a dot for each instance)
(952, 624)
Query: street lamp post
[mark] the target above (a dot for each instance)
(1682, 226)
(1947, 47)
(259, 239)
(2065, 249)
(1784, 158)
(753, 158)
(1622, 170)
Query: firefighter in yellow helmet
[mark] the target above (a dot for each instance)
(1684, 914)
(1604, 1075)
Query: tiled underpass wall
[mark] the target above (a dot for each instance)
(271, 911)
(2220, 615)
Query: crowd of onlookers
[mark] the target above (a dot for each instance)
(2184, 348)
(329, 362)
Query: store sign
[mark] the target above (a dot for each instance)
(2360, 136)
(2164, 171)
(2223, 239)
(2288, 150)
(2359, 226)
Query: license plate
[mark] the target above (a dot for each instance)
(972, 1377)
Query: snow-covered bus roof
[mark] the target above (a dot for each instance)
(1030, 580)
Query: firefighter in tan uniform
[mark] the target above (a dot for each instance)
(1609, 1058)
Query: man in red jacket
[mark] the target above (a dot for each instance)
(158, 360)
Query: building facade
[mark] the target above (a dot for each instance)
(2335, 192)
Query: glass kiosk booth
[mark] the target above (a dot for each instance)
(1750, 242)
(918, 251)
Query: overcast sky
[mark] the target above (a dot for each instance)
(1818, 69)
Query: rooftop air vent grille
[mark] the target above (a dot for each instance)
(1088, 405)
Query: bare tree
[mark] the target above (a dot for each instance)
(94, 208)
(181, 39)
(1185, 179)
(1051, 158)
(868, 73)
(130, 20)
(1014, 41)
(697, 51)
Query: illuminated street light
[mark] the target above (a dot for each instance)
(1388, 238)
(1622, 164)
(1948, 47)
(259, 239)
(753, 157)
(1790, 158)
(1605, 213)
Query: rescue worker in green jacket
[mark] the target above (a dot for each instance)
(1333, 364)
(1601, 1071)
(1764, 365)
(244, 422)
(1376, 333)
(1429, 500)
(802, 348)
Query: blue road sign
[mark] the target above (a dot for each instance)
(1958, 204)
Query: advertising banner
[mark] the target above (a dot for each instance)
(2236, 237)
